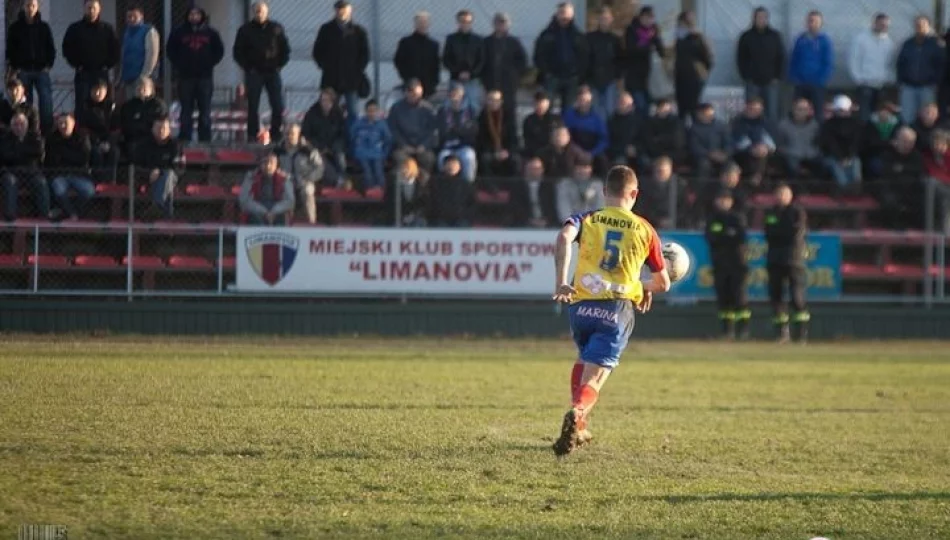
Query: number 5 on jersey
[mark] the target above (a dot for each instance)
(611, 259)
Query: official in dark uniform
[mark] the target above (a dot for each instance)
(726, 236)
(785, 227)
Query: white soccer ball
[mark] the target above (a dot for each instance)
(677, 261)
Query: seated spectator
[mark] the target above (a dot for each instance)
(21, 154)
(840, 142)
(900, 190)
(267, 193)
(537, 127)
(662, 135)
(753, 142)
(561, 154)
(303, 164)
(533, 203)
(139, 113)
(406, 200)
(937, 165)
(451, 196)
(458, 131)
(623, 131)
(710, 143)
(588, 129)
(67, 162)
(928, 121)
(98, 121)
(497, 138)
(15, 102)
(371, 142)
(324, 129)
(798, 141)
(160, 157)
(878, 137)
(729, 178)
(579, 193)
(663, 197)
(412, 122)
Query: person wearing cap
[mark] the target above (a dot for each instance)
(159, 159)
(642, 40)
(417, 56)
(457, 127)
(537, 127)
(812, 63)
(581, 192)
(413, 123)
(91, 47)
(30, 55)
(840, 142)
(920, 66)
(726, 236)
(194, 49)
(760, 58)
(709, 142)
(878, 136)
(871, 62)
(797, 141)
(603, 72)
(786, 225)
(341, 51)
(561, 55)
(753, 141)
(261, 50)
(505, 61)
(624, 132)
(267, 193)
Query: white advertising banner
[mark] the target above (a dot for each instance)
(387, 261)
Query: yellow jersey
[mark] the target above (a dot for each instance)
(613, 244)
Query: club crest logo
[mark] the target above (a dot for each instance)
(272, 255)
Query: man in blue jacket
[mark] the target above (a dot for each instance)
(588, 130)
(812, 64)
(919, 69)
(194, 49)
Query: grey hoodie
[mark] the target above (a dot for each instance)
(798, 140)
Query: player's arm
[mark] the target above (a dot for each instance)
(659, 281)
(563, 291)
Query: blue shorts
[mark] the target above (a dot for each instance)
(601, 330)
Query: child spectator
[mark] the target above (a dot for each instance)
(371, 142)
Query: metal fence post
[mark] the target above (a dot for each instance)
(36, 258)
(131, 171)
(220, 260)
(930, 200)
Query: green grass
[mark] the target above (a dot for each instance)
(149, 438)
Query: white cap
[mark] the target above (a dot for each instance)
(842, 103)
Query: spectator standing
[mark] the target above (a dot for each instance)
(606, 57)
(15, 102)
(497, 143)
(560, 156)
(267, 193)
(138, 114)
(407, 187)
(324, 129)
(67, 162)
(505, 61)
(141, 46)
(417, 56)
(261, 50)
(760, 57)
(561, 54)
(452, 196)
(694, 62)
(371, 141)
(919, 68)
(709, 141)
(663, 135)
(194, 49)
(533, 202)
(753, 142)
(160, 157)
(92, 48)
(413, 123)
(304, 165)
(99, 122)
(21, 155)
(579, 193)
(878, 136)
(926, 123)
(464, 57)
(812, 63)
(457, 127)
(871, 64)
(840, 142)
(537, 127)
(341, 51)
(588, 130)
(624, 129)
(662, 196)
(943, 90)
(797, 141)
(899, 190)
(30, 55)
(641, 40)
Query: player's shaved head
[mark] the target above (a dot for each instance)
(621, 181)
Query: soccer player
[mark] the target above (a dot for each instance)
(613, 244)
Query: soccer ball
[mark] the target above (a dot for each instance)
(677, 261)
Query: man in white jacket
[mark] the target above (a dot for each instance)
(872, 63)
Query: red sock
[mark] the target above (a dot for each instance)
(585, 399)
(576, 374)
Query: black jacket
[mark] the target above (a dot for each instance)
(640, 43)
(30, 46)
(463, 52)
(874, 143)
(68, 155)
(760, 56)
(901, 171)
(325, 132)
(840, 137)
(536, 131)
(694, 58)
(785, 230)
(26, 154)
(925, 133)
(417, 57)
(551, 59)
(151, 154)
(505, 64)
(520, 206)
(712, 189)
(509, 133)
(137, 116)
(194, 51)
(415, 206)
(342, 53)
(451, 200)
(606, 58)
(261, 47)
(726, 236)
(559, 163)
(7, 110)
(654, 202)
(623, 130)
(97, 120)
(91, 45)
(664, 137)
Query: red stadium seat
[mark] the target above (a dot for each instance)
(861, 271)
(144, 262)
(228, 156)
(228, 263)
(905, 271)
(486, 197)
(206, 192)
(860, 203)
(375, 193)
(337, 194)
(762, 200)
(236, 190)
(94, 261)
(112, 190)
(817, 202)
(11, 261)
(197, 156)
(48, 261)
(183, 262)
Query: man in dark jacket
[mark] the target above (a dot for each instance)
(899, 189)
(412, 121)
(497, 142)
(753, 141)
(663, 135)
(537, 127)
(760, 57)
(785, 228)
(324, 129)
(533, 202)
(709, 141)
(15, 102)
(452, 197)
(561, 54)
(341, 51)
(561, 155)
(603, 71)
(925, 124)
(159, 157)
(194, 49)
(21, 155)
(663, 197)
(417, 56)
(642, 39)
(840, 142)
(261, 50)
(67, 163)
(726, 236)
(505, 62)
(464, 57)
(877, 137)
(694, 62)
(92, 48)
(99, 121)
(729, 178)
(30, 56)
(919, 69)
(138, 115)
(624, 131)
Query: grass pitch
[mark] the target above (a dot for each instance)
(427, 438)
